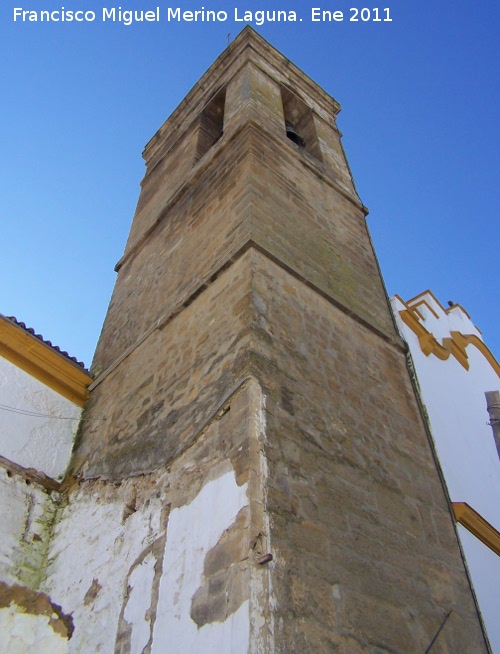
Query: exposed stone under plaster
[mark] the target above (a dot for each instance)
(29, 622)
(194, 531)
(167, 561)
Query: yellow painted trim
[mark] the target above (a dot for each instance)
(416, 310)
(462, 340)
(421, 300)
(43, 362)
(425, 304)
(477, 525)
(455, 345)
(429, 344)
(461, 309)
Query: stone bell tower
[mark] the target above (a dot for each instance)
(252, 426)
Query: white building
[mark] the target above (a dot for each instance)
(453, 371)
(42, 392)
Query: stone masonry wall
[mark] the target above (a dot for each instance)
(366, 556)
(171, 385)
(168, 561)
(253, 184)
(187, 248)
(364, 553)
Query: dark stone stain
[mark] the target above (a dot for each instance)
(37, 603)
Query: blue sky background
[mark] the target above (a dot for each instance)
(420, 98)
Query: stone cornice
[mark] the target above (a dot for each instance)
(198, 169)
(220, 266)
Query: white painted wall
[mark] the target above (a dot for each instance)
(22, 633)
(43, 443)
(94, 546)
(93, 542)
(456, 406)
(484, 569)
(192, 531)
(25, 516)
(122, 569)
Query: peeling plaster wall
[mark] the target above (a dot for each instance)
(27, 514)
(137, 609)
(95, 550)
(36, 442)
(166, 562)
(30, 622)
(193, 531)
(28, 510)
(23, 633)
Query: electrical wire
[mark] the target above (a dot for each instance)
(34, 414)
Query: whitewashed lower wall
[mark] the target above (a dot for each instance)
(27, 513)
(193, 531)
(28, 620)
(95, 550)
(23, 633)
(161, 563)
(128, 580)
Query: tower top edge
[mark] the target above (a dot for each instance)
(248, 47)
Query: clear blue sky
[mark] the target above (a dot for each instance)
(420, 98)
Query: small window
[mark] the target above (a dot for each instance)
(299, 123)
(211, 124)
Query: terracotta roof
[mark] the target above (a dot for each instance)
(31, 331)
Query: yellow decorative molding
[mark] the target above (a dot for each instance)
(424, 303)
(462, 340)
(428, 342)
(422, 299)
(43, 362)
(455, 345)
(477, 525)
